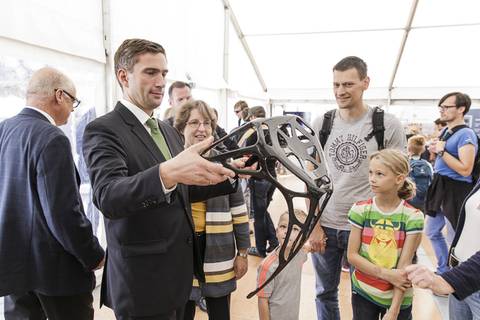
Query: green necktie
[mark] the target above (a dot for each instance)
(158, 138)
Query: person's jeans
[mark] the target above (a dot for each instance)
(366, 310)
(261, 192)
(467, 309)
(328, 267)
(433, 231)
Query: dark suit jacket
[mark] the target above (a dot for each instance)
(150, 236)
(46, 242)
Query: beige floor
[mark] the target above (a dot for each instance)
(424, 307)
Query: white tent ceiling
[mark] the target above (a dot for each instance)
(296, 43)
(416, 50)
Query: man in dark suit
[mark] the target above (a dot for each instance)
(142, 182)
(47, 249)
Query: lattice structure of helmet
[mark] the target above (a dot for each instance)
(290, 141)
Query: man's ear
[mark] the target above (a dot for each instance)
(122, 77)
(59, 96)
(366, 82)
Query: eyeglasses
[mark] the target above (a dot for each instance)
(75, 101)
(237, 111)
(443, 108)
(195, 124)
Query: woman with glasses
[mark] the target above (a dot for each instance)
(221, 225)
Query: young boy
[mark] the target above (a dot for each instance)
(421, 171)
(280, 299)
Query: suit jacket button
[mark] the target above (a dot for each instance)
(189, 241)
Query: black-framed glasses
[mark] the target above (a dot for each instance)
(195, 124)
(75, 101)
(443, 108)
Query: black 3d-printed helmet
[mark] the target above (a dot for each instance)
(288, 140)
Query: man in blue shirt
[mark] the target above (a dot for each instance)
(455, 157)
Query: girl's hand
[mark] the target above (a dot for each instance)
(397, 277)
(390, 315)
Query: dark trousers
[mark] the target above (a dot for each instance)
(261, 192)
(217, 308)
(175, 315)
(36, 306)
(366, 310)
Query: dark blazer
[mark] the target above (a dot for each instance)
(464, 278)
(150, 259)
(46, 242)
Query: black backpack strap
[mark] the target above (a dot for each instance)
(326, 127)
(378, 128)
(448, 133)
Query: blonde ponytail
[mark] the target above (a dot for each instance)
(407, 190)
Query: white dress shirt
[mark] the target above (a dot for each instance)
(46, 115)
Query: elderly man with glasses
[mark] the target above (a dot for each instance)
(47, 249)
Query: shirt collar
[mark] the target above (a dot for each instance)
(137, 112)
(46, 115)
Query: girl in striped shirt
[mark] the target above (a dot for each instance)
(386, 232)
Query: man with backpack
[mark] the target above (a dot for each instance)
(348, 135)
(455, 152)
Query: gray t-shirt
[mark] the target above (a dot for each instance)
(283, 292)
(347, 154)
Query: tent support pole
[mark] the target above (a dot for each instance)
(226, 60)
(245, 45)
(110, 86)
(407, 29)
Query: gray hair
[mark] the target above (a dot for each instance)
(44, 82)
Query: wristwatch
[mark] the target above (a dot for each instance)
(440, 153)
(242, 254)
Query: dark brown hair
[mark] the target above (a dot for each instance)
(257, 112)
(177, 85)
(127, 54)
(461, 100)
(352, 62)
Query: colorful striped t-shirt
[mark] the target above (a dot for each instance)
(383, 236)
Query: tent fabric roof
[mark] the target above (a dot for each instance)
(296, 43)
(293, 43)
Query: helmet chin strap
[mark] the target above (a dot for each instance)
(290, 141)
